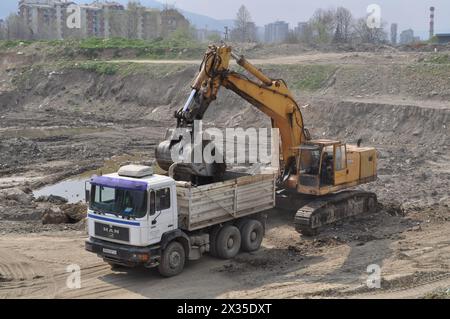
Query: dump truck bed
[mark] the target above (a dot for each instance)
(207, 205)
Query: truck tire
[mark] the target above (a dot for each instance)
(213, 241)
(228, 242)
(172, 260)
(252, 234)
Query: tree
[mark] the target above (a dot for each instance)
(47, 30)
(183, 36)
(16, 28)
(118, 23)
(306, 34)
(244, 28)
(134, 20)
(343, 22)
(292, 37)
(365, 34)
(323, 24)
(2, 30)
(213, 38)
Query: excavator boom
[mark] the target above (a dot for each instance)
(272, 97)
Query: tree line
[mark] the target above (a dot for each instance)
(338, 26)
(326, 26)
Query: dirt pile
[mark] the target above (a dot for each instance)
(64, 214)
(380, 123)
(104, 97)
(412, 141)
(19, 204)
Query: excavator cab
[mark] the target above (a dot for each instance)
(322, 167)
(327, 166)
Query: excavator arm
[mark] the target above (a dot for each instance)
(270, 96)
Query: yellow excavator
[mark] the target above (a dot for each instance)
(315, 174)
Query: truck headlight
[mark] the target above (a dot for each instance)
(142, 257)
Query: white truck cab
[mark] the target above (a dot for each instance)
(137, 218)
(126, 202)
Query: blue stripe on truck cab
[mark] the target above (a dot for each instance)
(106, 219)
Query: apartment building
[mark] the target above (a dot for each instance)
(276, 32)
(51, 19)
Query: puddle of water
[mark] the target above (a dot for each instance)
(71, 189)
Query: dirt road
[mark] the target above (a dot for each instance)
(412, 265)
(305, 58)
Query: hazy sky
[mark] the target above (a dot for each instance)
(407, 13)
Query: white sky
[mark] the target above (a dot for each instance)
(407, 13)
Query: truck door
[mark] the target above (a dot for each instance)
(161, 212)
(340, 164)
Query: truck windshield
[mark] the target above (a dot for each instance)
(127, 203)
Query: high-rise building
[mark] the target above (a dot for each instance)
(45, 18)
(260, 34)
(172, 20)
(407, 37)
(394, 32)
(276, 32)
(300, 28)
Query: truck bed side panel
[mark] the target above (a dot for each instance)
(216, 203)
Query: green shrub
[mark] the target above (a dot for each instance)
(313, 77)
(438, 59)
(101, 68)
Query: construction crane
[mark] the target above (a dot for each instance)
(316, 175)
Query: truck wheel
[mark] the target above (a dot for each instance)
(228, 242)
(240, 223)
(213, 241)
(172, 260)
(252, 235)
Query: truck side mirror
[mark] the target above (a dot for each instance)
(152, 203)
(87, 192)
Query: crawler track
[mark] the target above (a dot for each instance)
(333, 208)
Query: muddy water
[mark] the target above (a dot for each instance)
(73, 189)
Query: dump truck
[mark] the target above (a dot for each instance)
(138, 218)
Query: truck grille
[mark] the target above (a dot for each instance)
(112, 232)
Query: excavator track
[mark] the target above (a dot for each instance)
(332, 208)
